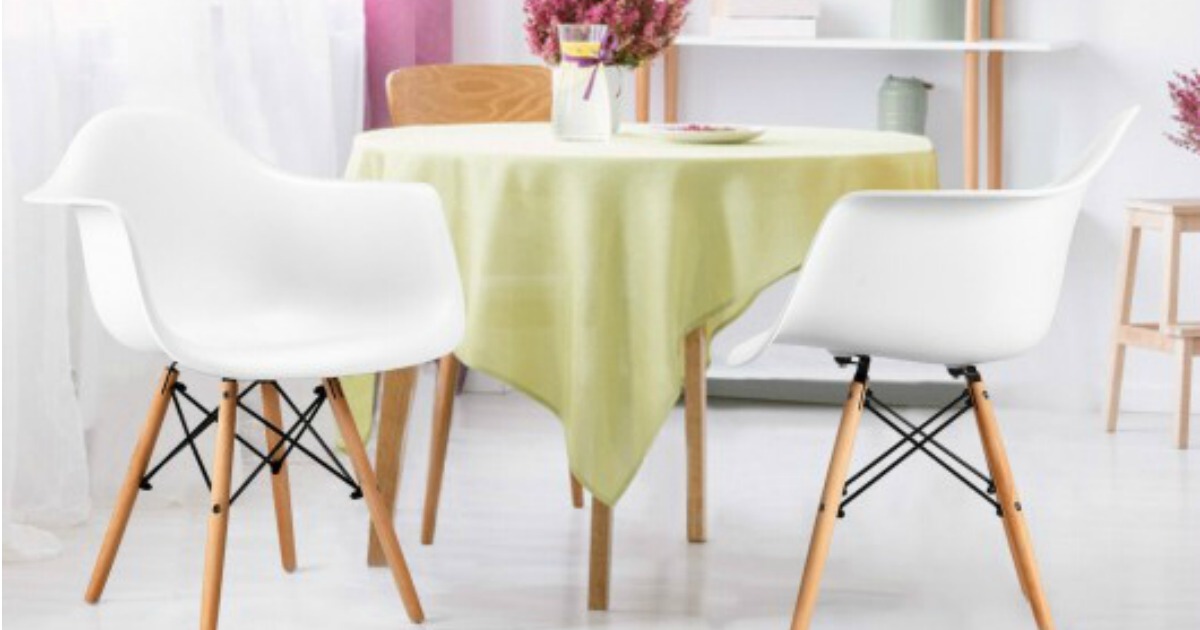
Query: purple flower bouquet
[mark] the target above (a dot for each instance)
(1185, 94)
(640, 28)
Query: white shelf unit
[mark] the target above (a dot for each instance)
(981, 52)
(879, 44)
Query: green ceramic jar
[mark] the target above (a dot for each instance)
(903, 104)
(933, 19)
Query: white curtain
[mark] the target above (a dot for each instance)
(283, 76)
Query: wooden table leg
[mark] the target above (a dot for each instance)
(601, 556)
(695, 398)
(381, 516)
(395, 405)
(439, 442)
(576, 493)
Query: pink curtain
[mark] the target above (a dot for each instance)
(403, 33)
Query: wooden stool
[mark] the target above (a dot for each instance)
(1173, 217)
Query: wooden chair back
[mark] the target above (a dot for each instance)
(450, 94)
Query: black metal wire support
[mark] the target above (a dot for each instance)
(918, 438)
(289, 440)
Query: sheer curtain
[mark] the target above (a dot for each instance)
(285, 77)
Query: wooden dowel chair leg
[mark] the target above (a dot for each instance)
(1006, 492)
(218, 518)
(395, 406)
(831, 498)
(381, 517)
(1008, 534)
(131, 485)
(1012, 549)
(281, 491)
(439, 441)
(576, 493)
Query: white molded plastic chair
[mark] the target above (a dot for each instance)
(194, 248)
(956, 278)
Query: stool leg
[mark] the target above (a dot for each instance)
(281, 492)
(1014, 517)
(130, 487)
(831, 498)
(218, 518)
(1170, 305)
(1184, 353)
(381, 518)
(1125, 282)
(439, 442)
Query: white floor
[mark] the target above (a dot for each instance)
(1116, 523)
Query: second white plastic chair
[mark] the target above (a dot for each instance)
(956, 278)
(195, 249)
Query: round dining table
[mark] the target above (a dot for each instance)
(595, 273)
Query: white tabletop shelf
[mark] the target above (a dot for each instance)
(879, 44)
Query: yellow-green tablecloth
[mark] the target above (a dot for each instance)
(585, 265)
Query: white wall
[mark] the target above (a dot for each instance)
(1055, 103)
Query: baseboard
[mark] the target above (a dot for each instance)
(830, 392)
(1136, 398)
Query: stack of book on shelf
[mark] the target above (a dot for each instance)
(794, 19)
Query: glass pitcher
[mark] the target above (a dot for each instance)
(583, 106)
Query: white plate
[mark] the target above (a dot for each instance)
(699, 133)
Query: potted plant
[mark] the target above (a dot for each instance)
(626, 34)
(1185, 94)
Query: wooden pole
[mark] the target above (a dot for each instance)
(671, 85)
(642, 75)
(995, 103)
(971, 100)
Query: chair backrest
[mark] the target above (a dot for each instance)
(1098, 152)
(457, 94)
(177, 221)
(942, 276)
